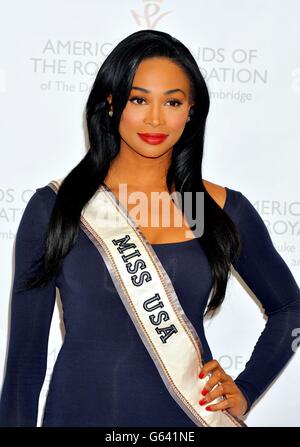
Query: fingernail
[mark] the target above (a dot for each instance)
(208, 408)
(201, 375)
(202, 402)
(204, 392)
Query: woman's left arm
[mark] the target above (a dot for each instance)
(268, 276)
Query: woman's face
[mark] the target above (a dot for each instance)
(155, 111)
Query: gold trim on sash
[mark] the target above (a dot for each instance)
(176, 348)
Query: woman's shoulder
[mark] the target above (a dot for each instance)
(232, 201)
(217, 192)
(36, 214)
(46, 192)
(222, 195)
(42, 200)
(238, 206)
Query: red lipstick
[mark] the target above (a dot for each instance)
(153, 138)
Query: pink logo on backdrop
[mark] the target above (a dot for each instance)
(151, 15)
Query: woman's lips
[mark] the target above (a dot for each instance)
(153, 138)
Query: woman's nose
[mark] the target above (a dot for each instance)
(154, 116)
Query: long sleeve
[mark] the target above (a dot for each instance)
(268, 276)
(31, 315)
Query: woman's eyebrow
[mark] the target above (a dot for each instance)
(166, 93)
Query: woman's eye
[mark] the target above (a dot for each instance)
(137, 98)
(176, 102)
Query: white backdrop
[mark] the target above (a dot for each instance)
(248, 52)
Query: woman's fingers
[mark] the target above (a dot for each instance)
(234, 401)
(217, 375)
(225, 404)
(223, 389)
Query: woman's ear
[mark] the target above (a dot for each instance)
(191, 110)
(109, 99)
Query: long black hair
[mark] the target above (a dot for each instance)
(220, 240)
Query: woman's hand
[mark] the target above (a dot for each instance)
(235, 402)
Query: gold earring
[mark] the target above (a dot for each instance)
(188, 118)
(110, 113)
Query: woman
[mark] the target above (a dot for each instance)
(104, 376)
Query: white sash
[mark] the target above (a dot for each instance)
(151, 302)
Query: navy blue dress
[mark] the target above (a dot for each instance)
(103, 375)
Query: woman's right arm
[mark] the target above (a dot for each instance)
(31, 315)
